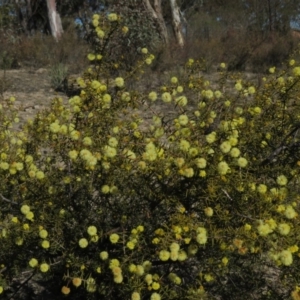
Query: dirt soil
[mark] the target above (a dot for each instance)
(31, 88)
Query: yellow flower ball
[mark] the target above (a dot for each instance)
(100, 33)
(174, 255)
(166, 97)
(54, 127)
(87, 141)
(125, 29)
(83, 243)
(110, 152)
(116, 271)
(281, 180)
(188, 172)
(183, 120)
(294, 248)
(29, 216)
(286, 257)
(292, 62)
(65, 290)
(77, 281)
(238, 86)
(155, 286)
(152, 96)
(44, 267)
(40, 175)
(262, 188)
(139, 270)
(174, 247)
(114, 238)
(4, 165)
(113, 142)
(74, 135)
(201, 163)
(251, 90)
(177, 280)
(95, 84)
(225, 261)
(25, 209)
(290, 212)
(242, 162)
(155, 296)
(184, 145)
(73, 154)
(225, 147)
(174, 80)
(130, 245)
(43, 233)
(26, 226)
(296, 71)
(112, 17)
(235, 152)
(209, 94)
(201, 238)
(284, 229)
(144, 50)
(155, 241)
(132, 268)
(208, 277)
(181, 101)
(264, 229)
(140, 228)
(14, 220)
(118, 279)
(33, 263)
(218, 95)
(223, 168)
(135, 296)
(208, 211)
(210, 138)
(182, 255)
(272, 70)
(91, 56)
(164, 255)
(103, 255)
(92, 230)
(119, 81)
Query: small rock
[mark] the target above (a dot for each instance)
(40, 71)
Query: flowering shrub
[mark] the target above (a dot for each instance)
(99, 202)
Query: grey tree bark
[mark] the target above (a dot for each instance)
(155, 9)
(156, 13)
(177, 24)
(54, 19)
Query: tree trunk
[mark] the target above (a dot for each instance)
(54, 20)
(177, 25)
(156, 13)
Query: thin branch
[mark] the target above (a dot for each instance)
(227, 195)
(22, 284)
(281, 147)
(7, 200)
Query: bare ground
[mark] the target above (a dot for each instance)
(31, 88)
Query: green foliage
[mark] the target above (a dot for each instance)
(6, 16)
(122, 47)
(100, 201)
(58, 73)
(6, 60)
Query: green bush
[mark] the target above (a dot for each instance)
(58, 74)
(111, 198)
